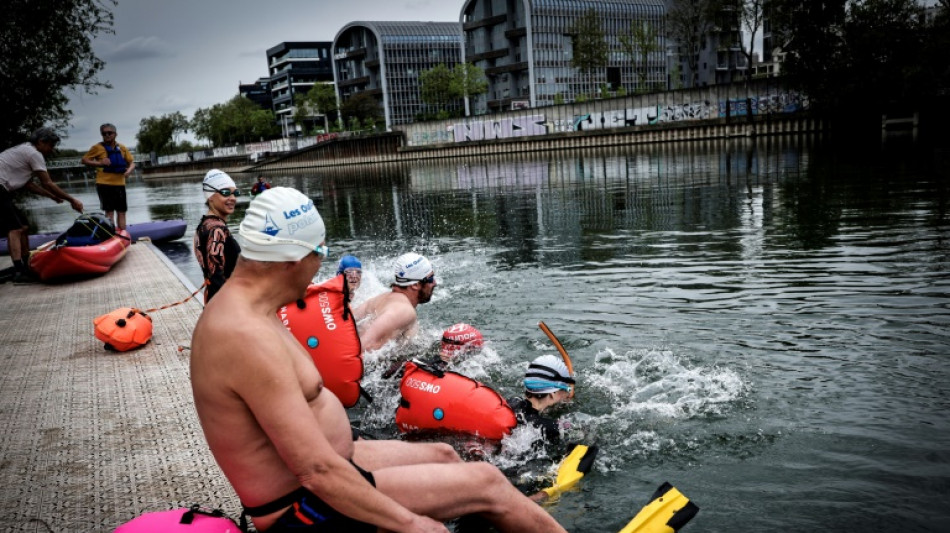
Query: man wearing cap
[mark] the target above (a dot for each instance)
(114, 163)
(282, 439)
(18, 165)
(547, 382)
(392, 315)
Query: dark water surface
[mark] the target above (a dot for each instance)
(766, 326)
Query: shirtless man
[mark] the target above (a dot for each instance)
(282, 439)
(392, 314)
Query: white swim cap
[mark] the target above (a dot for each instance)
(410, 268)
(216, 179)
(547, 373)
(281, 224)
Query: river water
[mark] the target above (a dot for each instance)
(764, 325)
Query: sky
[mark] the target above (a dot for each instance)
(181, 55)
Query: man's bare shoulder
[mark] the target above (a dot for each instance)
(228, 330)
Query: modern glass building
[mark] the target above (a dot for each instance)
(257, 92)
(384, 59)
(525, 49)
(294, 67)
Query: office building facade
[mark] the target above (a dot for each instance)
(525, 49)
(385, 59)
(294, 68)
(258, 92)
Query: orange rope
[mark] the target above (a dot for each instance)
(203, 285)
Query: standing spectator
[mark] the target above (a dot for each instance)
(114, 164)
(17, 166)
(215, 248)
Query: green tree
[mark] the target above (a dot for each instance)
(752, 18)
(435, 87)
(362, 107)
(468, 81)
(688, 23)
(639, 44)
(46, 52)
(590, 45)
(320, 100)
(157, 134)
(237, 120)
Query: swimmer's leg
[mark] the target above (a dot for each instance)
(374, 455)
(447, 491)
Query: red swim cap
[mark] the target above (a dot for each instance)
(458, 338)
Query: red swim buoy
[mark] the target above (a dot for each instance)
(451, 402)
(323, 324)
(123, 329)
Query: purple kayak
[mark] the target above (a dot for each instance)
(155, 231)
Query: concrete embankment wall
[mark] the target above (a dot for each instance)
(761, 108)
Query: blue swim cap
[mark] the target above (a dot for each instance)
(348, 261)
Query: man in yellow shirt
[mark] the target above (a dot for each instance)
(114, 164)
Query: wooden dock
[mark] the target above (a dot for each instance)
(93, 438)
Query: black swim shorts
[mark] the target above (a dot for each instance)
(307, 512)
(11, 218)
(112, 198)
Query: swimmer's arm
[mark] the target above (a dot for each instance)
(279, 406)
(361, 311)
(387, 326)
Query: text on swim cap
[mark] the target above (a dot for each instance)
(414, 263)
(309, 217)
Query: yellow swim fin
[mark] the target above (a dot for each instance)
(572, 469)
(667, 511)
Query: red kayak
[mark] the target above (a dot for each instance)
(51, 261)
(155, 231)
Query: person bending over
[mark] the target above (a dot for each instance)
(18, 165)
(283, 440)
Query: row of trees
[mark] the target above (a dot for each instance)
(238, 120)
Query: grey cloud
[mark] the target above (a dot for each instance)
(138, 49)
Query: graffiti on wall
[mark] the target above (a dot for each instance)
(618, 118)
(687, 111)
(431, 137)
(502, 128)
(540, 124)
(781, 103)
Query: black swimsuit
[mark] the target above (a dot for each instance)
(307, 512)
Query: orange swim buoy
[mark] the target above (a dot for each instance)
(323, 324)
(123, 329)
(450, 402)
